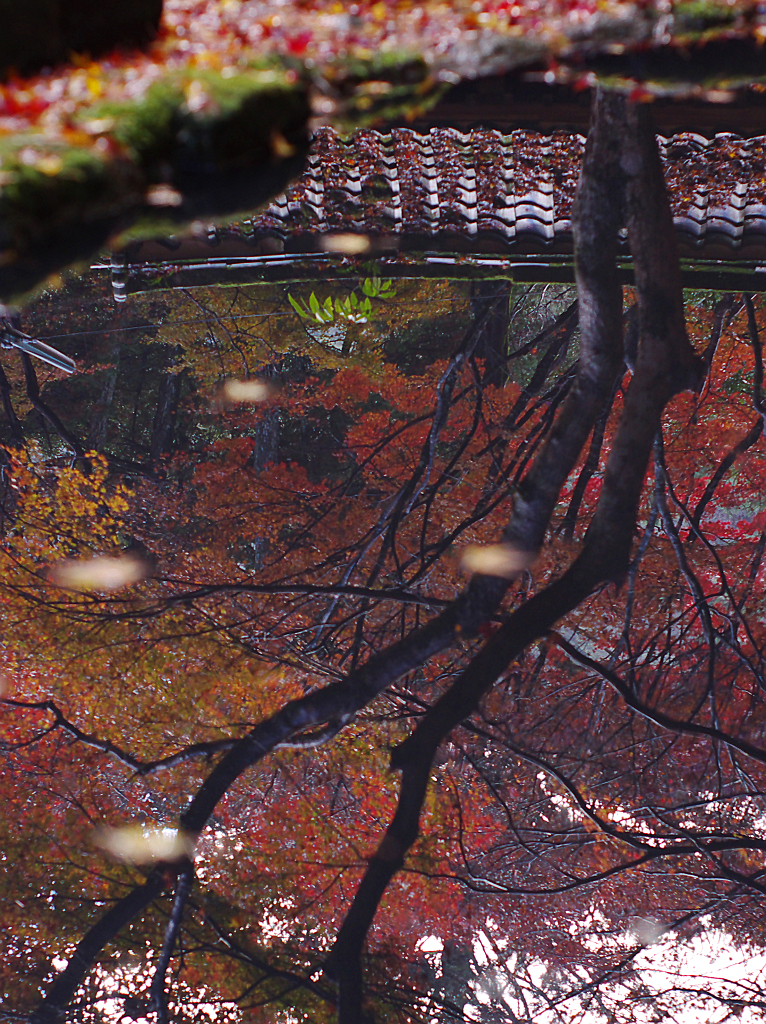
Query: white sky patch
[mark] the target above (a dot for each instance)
(678, 979)
(709, 961)
(432, 947)
(483, 952)
(559, 801)
(273, 927)
(705, 979)
(331, 335)
(214, 846)
(536, 971)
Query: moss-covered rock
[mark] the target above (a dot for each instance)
(699, 17)
(195, 125)
(383, 87)
(57, 204)
(197, 144)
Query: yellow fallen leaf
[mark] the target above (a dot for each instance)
(496, 560)
(280, 147)
(135, 844)
(101, 573)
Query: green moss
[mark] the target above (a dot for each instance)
(144, 128)
(58, 205)
(697, 17)
(384, 87)
(402, 66)
(48, 188)
(725, 63)
(223, 145)
(202, 122)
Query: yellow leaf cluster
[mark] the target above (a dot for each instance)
(64, 510)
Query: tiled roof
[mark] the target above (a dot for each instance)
(509, 191)
(466, 204)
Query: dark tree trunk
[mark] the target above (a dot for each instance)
(163, 428)
(266, 438)
(99, 423)
(492, 346)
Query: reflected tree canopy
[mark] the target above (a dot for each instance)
(285, 756)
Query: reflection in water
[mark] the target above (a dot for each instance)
(304, 545)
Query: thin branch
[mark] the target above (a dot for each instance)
(677, 725)
(157, 992)
(61, 722)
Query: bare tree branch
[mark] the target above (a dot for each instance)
(686, 728)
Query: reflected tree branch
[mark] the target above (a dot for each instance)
(623, 146)
(157, 991)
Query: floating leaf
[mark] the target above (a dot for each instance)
(347, 243)
(647, 930)
(496, 560)
(280, 147)
(105, 572)
(98, 125)
(134, 844)
(255, 390)
(720, 95)
(163, 195)
(197, 97)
